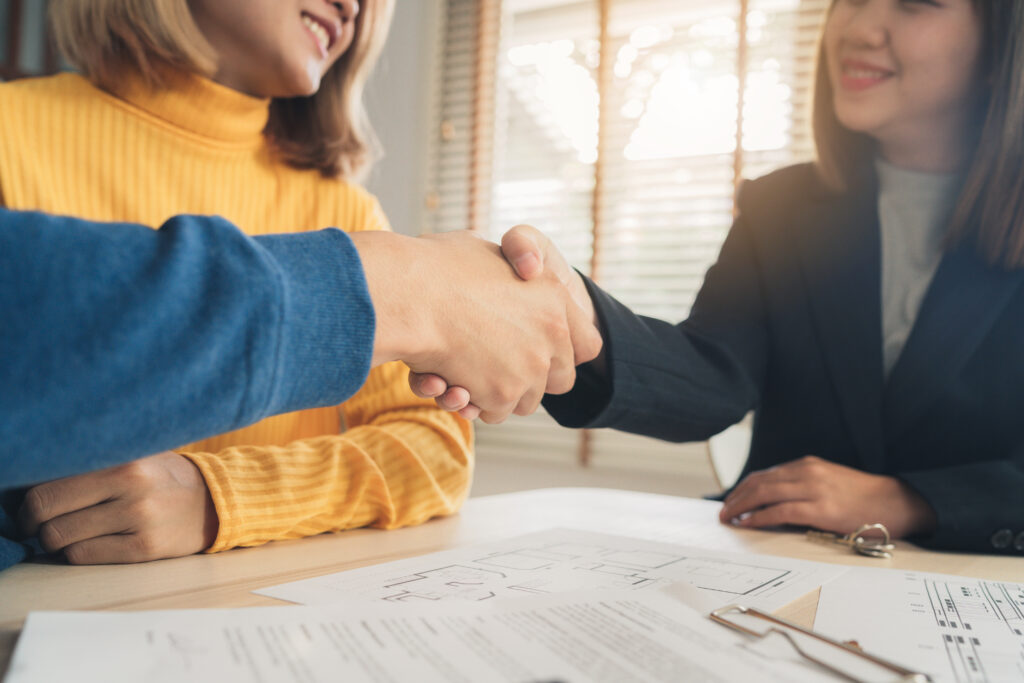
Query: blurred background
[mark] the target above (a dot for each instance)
(622, 128)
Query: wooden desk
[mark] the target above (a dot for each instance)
(226, 579)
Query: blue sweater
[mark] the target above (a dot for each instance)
(118, 341)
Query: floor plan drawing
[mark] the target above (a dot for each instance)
(563, 560)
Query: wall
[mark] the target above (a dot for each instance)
(400, 101)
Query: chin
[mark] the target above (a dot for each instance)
(300, 81)
(858, 121)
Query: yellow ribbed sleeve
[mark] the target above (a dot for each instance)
(384, 457)
(400, 462)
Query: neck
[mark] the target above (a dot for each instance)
(932, 157)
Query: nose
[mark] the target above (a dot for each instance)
(868, 24)
(347, 9)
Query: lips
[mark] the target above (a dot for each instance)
(323, 31)
(856, 75)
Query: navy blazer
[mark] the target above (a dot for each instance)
(788, 323)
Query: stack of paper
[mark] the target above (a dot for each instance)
(608, 637)
(587, 607)
(956, 629)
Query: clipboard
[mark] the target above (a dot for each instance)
(786, 630)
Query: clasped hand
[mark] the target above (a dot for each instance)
(536, 261)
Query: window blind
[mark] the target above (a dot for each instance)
(622, 129)
(25, 48)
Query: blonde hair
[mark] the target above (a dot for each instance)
(990, 209)
(328, 131)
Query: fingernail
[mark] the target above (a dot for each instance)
(526, 265)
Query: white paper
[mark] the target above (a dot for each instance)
(616, 637)
(951, 627)
(560, 560)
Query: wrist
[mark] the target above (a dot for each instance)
(391, 268)
(916, 515)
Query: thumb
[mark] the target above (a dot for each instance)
(521, 249)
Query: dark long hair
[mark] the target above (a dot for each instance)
(990, 210)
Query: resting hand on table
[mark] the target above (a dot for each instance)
(148, 509)
(532, 255)
(817, 493)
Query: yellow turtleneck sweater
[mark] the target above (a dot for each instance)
(67, 147)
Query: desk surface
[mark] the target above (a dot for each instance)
(227, 579)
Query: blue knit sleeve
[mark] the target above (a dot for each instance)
(118, 341)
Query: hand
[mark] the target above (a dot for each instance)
(531, 253)
(821, 494)
(450, 305)
(148, 509)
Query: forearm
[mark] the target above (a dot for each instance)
(973, 503)
(680, 382)
(413, 466)
(405, 328)
(125, 341)
(658, 379)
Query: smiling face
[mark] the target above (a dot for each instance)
(905, 72)
(275, 48)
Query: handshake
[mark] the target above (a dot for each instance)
(486, 330)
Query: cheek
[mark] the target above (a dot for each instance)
(946, 58)
(947, 78)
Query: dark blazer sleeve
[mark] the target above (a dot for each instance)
(119, 341)
(681, 382)
(978, 506)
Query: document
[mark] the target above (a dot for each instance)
(560, 560)
(613, 637)
(957, 629)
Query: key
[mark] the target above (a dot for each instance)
(858, 541)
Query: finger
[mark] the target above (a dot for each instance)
(498, 414)
(454, 400)
(785, 472)
(61, 496)
(561, 376)
(113, 549)
(521, 247)
(798, 513)
(529, 402)
(81, 525)
(426, 385)
(765, 494)
(470, 412)
(586, 339)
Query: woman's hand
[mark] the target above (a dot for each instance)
(821, 494)
(148, 509)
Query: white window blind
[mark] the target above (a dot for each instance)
(613, 126)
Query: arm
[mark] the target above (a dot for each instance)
(688, 381)
(972, 503)
(679, 382)
(112, 332)
(400, 462)
(123, 341)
